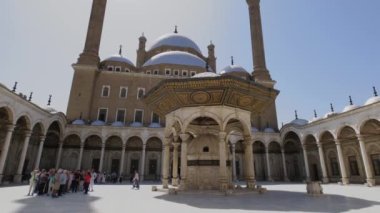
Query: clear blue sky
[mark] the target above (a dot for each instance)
(319, 52)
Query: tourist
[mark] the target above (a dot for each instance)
(57, 184)
(136, 180)
(32, 182)
(93, 177)
(87, 180)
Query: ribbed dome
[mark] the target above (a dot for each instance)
(175, 40)
(119, 58)
(299, 122)
(206, 75)
(233, 68)
(176, 57)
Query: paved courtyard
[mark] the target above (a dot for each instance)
(121, 198)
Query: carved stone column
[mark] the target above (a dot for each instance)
(248, 160)
(185, 140)
(368, 171)
(286, 178)
(223, 184)
(165, 168)
(142, 167)
(268, 164)
(18, 177)
(342, 165)
(80, 155)
(5, 149)
(102, 157)
(305, 158)
(325, 179)
(175, 164)
(39, 154)
(57, 164)
(121, 169)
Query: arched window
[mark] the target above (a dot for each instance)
(206, 149)
(105, 91)
(123, 92)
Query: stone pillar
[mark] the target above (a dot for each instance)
(234, 177)
(80, 155)
(368, 170)
(90, 53)
(57, 164)
(175, 164)
(268, 164)
(223, 184)
(286, 178)
(121, 169)
(185, 140)
(18, 177)
(142, 167)
(248, 160)
(260, 72)
(102, 157)
(5, 149)
(39, 154)
(306, 160)
(165, 168)
(325, 179)
(342, 165)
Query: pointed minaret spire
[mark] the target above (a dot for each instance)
(232, 60)
(30, 96)
(331, 107)
(296, 114)
(14, 87)
(315, 114)
(121, 50)
(49, 101)
(351, 102)
(374, 91)
(176, 29)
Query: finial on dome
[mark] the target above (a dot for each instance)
(351, 102)
(176, 29)
(374, 91)
(331, 107)
(315, 114)
(232, 60)
(14, 87)
(296, 114)
(121, 50)
(49, 101)
(30, 96)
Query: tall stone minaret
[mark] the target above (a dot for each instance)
(90, 53)
(87, 68)
(260, 71)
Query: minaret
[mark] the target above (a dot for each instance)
(87, 68)
(90, 55)
(260, 71)
(141, 52)
(211, 57)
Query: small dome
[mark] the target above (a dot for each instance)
(155, 125)
(269, 130)
(175, 40)
(349, 108)
(254, 129)
(206, 75)
(233, 68)
(176, 57)
(98, 123)
(314, 119)
(299, 122)
(372, 100)
(117, 124)
(78, 122)
(51, 110)
(119, 58)
(329, 114)
(136, 124)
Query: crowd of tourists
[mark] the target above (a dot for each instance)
(56, 183)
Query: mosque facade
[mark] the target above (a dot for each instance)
(173, 116)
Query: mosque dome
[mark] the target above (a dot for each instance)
(206, 75)
(98, 123)
(314, 119)
(175, 40)
(349, 108)
(234, 69)
(136, 124)
(299, 122)
(117, 124)
(79, 122)
(119, 58)
(254, 129)
(155, 125)
(176, 57)
(329, 114)
(51, 110)
(269, 130)
(372, 100)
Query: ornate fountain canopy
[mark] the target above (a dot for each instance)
(172, 94)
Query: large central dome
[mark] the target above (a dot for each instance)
(175, 40)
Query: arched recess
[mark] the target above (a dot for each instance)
(237, 125)
(294, 157)
(91, 152)
(15, 148)
(133, 149)
(153, 159)
(50, 148)
(112, 154)
(315, 168)
(202, 118)
(6, 118)
(31, 155)
(351, 154)
(370, 129)
(70, 152)
(239, 151)
(275, 160)
(327, 141)
(259, 160)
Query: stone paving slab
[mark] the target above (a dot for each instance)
(121, 198)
